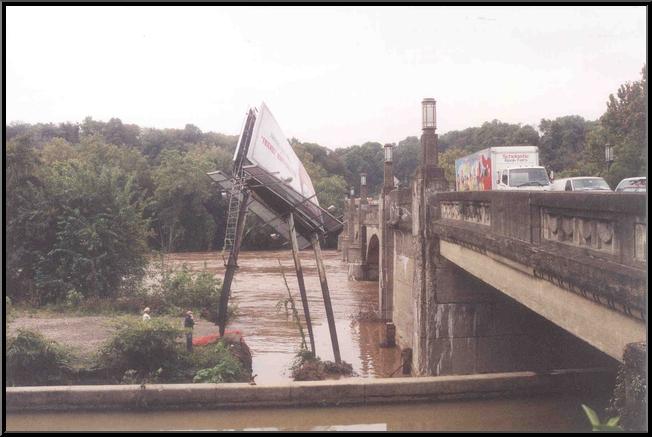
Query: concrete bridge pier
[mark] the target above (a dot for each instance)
(386, 240)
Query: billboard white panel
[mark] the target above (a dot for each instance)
(270, 150)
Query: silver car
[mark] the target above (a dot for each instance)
(586, 183)
(633, 185)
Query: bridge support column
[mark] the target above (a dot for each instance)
(386, 260)
(349, 229)
(386, 236)
(355, 262)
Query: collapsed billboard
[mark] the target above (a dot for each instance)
(270, 150)
(276, 176)
(260, 210)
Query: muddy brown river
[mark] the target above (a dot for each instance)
(274, 338)
(556, 414)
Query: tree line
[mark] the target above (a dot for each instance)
(86, 202)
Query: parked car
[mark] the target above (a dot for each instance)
(587, 183)
(633, 185)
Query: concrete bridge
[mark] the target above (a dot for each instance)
(478, 282)
(361, 239)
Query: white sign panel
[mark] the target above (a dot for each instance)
(271, 151)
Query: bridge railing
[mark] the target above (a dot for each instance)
(587, 241)
(369, 213)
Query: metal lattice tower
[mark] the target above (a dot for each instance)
(235, 199)
(237, 187)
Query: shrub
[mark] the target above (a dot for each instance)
(629, 400)
(183, 289)
(225, 367)
(609, 425)
(144, 347)
(312, 370)
(176, 291)
(307, 367)
(31, 359)
(73, 298)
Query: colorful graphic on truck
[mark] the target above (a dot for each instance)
(473, 173)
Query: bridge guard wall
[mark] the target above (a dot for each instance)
(464, 326)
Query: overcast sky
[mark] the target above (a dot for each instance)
(336, 76)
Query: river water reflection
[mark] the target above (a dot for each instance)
(556, 414)
(272, 337)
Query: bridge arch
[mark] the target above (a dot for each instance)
(372, 258)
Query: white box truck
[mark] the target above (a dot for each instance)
(501, 168)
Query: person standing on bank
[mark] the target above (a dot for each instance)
(188, 324)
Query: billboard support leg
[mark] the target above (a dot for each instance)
(327, 297)
(232, 263)
(302, 286)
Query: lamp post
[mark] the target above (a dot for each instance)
(429, 113)
(388, 176)
(363, 188)
(350, 225)
(609, 155)
(429, 126)
(433, 175)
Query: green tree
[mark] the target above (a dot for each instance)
(447, 162)
(490, 134)
(367, 158)
(57, 150)
(326, 171)
(95, 151)
(590, 161)
(41, 133)
(181, 218)
(30, 227)
(406, 158)
(115, 132)
(625, 124)
(330, 192)
(100, 246)
(563, 141)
